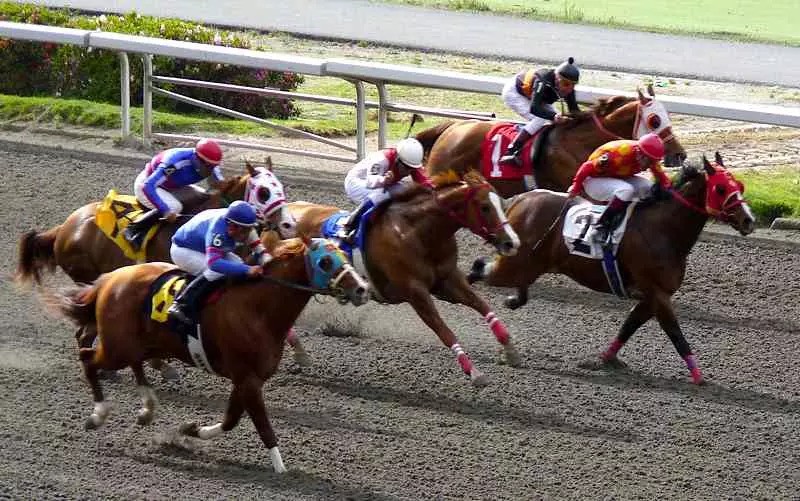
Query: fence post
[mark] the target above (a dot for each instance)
(125, 94)
(383, 114)
(147, 98)
(361, 120)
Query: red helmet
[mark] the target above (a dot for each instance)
(209, 150)
(652, 146)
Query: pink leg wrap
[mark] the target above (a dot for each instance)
(463, 359)
(694, 370)
(291, 337)
(612, 350)
(498, 328)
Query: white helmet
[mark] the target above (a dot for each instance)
(409, 151)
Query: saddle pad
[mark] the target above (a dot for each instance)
(579, 230)
(114, 214)
(495, 144)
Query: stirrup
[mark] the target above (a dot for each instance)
(510, 158)
(176, 312)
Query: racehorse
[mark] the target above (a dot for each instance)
(651, 256)
(242, 333)
(458, 145)
(84, 252)
(410, 252)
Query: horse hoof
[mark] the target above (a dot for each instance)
(302, 359)
(144, 417)
(479, 379)
(512, 302)
(189, 429)
(93, 422)
(511, 357)
(168, 373)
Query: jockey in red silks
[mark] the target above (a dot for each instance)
(612, 174)
(532, 94)
(373, 180)
(168, 172)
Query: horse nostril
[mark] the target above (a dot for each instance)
(361, 291)
(286, 225)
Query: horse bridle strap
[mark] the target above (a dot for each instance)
(484, 231)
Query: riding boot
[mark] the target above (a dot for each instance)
(137, 230)
(348, 231)
(610, 219)
(185, 306)
(514, 149)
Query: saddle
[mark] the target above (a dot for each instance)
(580, 230)
(495, 144)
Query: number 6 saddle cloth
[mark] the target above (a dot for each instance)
(579, 230)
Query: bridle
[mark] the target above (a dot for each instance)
(482, 228)
(665, 134)
(723, 214)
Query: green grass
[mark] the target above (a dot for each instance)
(772, 193)
(751, 20)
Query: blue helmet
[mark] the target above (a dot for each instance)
(241, 213)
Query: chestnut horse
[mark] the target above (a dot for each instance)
(651, 257)
(84, 252)
(242, 333)
(456, 145)
(410, 252)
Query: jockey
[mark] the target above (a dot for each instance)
(532, 94)
(167, 172)
(205, 248)
(373, 180)
(611, 174)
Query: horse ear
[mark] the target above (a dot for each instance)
(650, 90)
(268, 162)
(250, 169)
(718, 158)
(642, 98)
(707, 165)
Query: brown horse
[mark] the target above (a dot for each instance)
(651, 256)
(242, 333)
(411, 253)
(84, 252)
(456, 145)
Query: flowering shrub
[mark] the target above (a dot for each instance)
(32, 68)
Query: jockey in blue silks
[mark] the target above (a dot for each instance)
(168, 172)
(205, 247)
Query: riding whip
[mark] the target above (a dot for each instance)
(414, 118)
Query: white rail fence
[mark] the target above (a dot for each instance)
(356, 72)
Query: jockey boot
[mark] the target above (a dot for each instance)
(348, 231)
(610, 219)
(186, 304)
(137, 230)
(514, 149)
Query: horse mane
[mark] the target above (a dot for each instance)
(604, 106)
(285, 249)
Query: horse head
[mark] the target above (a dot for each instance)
(475, 204)
(330, 270)
(626, 118)
(265, 193)
(724, 197)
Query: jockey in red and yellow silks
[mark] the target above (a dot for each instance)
(611, 174)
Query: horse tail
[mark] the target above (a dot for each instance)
(428, 137)
(79, 304)
(36, 252)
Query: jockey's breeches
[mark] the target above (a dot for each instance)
(624, 188)
(196, 262)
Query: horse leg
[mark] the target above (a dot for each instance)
(168, 372)
(637, 317)
(145, 415)
(89, 358)
(253, 399)
(232, 416)
(456, 290)
(665, 314)
(501, 272)
(301, 356)
(422, 303)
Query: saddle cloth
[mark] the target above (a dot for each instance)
(579, 230)
(495, 144)
(114, 214)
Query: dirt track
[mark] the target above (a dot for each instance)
(385, 414)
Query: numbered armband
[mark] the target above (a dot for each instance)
(375, 169)
(218, 240)
(169, 170)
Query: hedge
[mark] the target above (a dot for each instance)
(37, 69)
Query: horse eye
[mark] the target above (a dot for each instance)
(653, 122)
(720, 189)
(262, 194)
(326, 264)
(485, 209)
